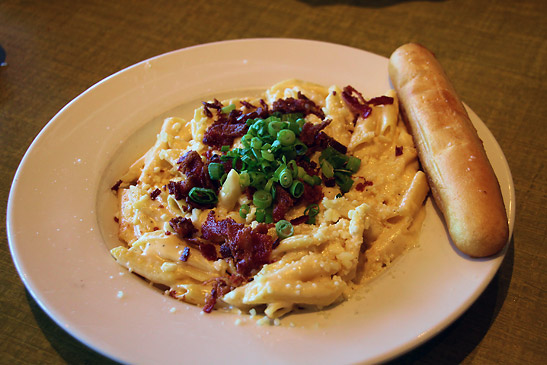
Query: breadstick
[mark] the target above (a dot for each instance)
(461, 178)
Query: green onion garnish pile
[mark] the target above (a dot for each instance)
(270, 150)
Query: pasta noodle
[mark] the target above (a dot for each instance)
(356, 229)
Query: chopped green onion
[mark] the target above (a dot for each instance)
(294, 168)
(284, 229)
(216, 170)
(286, 137)
(260, 215)
(262, 199)
(344, 182)
(258, 179)
(353, 164)
(246, 140)
(244, 210)
(291, 117)
(308, 179)
(244, 179)
(225, 148)
(285, 178)
(228, 108)
(276, 146)
(316, 180)
(256, 143)
(293, 126)
(269, 216)
(297, 189)
(326, 169)
(203, 196)
(311, 211)
(300, 148)
(268, 155)
(274, 127)
(269, 185)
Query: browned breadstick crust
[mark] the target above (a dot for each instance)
(461, 178)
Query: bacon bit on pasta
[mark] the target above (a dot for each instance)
(310, 131)
(224, 134)
(276, 243)
(116, 186)
(300, 105)
(299, 220)
(283, 203)
(250, 248)
(356, 102)
(398, 150)
(362, 185)
(323, 140)
(225, 128)
(359, 105)
(247, 105)
(197, 175)
(176, 189)
(312, 194)
(155, 194)
(381, 100)
(185, 254)
(208, 250)
(221, 287)
(183, 227)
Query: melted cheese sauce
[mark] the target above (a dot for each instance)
(355, 237)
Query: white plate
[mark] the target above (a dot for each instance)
(60, 222)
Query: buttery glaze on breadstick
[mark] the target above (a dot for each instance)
(461, 178)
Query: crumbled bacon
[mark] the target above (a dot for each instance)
(185, 254)
(381, 100)
(300, 105)
(116, 186)
(310, 132)
(197, 175)
(359, 105)
(329, 182)
(176, 188)
(155, 194)
(225, 251)
(183, 227)
(312, 194)
(217, 105)
(299, 220)
(226, 127)
(247, 105)
(283, 203)
(323, 140)
(362, 185)
(217, 231)
(208, 250)
(220, 288)
(250, 248)
(356, 102)
(224, 134)
(398, 150)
